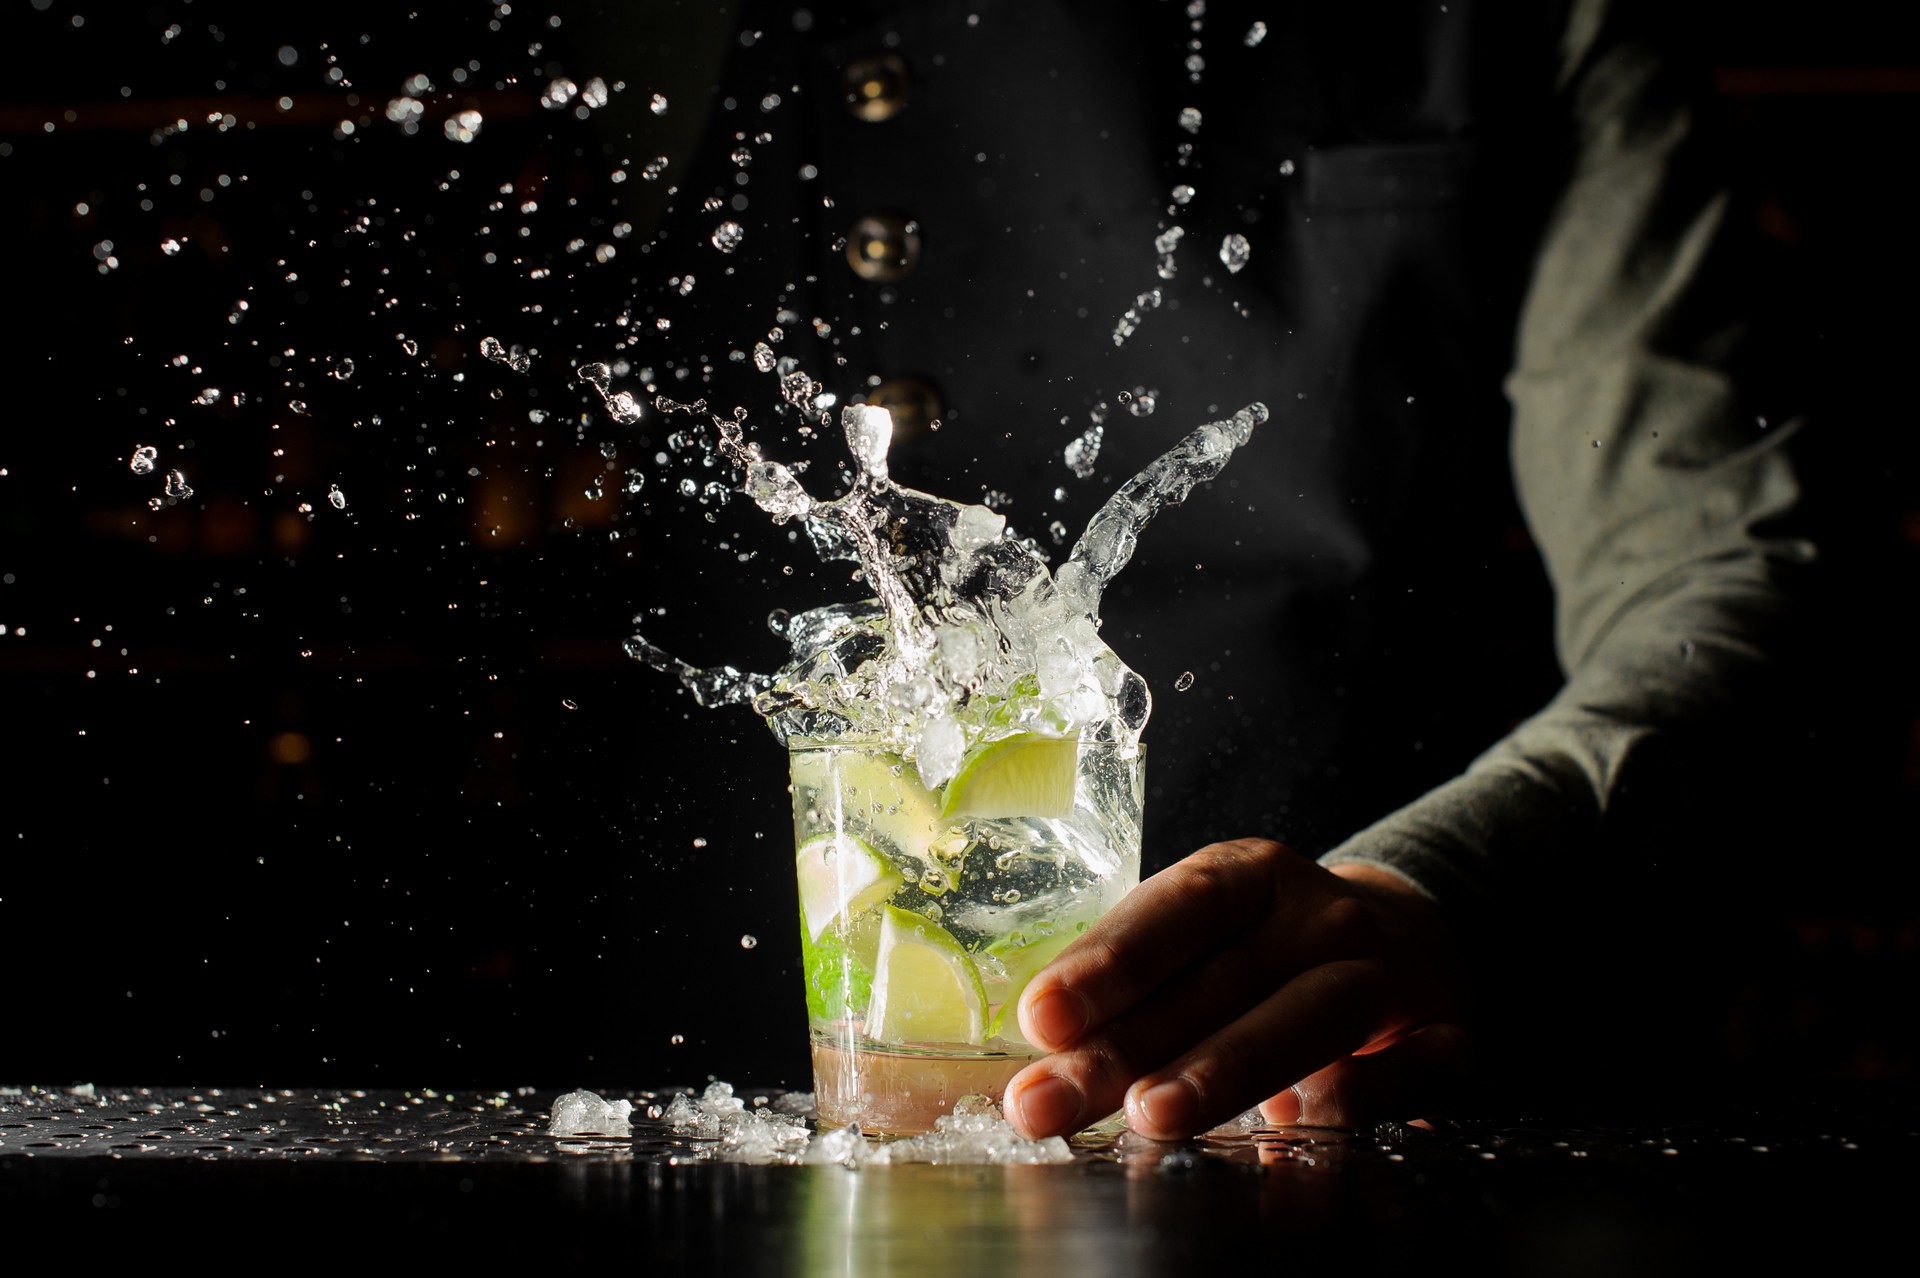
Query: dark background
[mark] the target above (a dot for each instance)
(298, 794)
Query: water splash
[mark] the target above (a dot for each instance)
(967, 638)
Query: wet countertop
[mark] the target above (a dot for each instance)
(1814, 1177)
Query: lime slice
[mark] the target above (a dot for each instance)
(877, 793)
(1023, 961)
(838, 967)
(1019, 776)
(925, 987)
(841, 877)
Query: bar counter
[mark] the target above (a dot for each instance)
(305, 1177)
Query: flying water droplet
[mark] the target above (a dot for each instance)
(1182, 194)
(463, 127)
(1190, 119)
(1255, 34)
(1184, 682)
(727, 236)
(623, 407)
(1130, 321)
(1286, 168)
(1164, 245)
(177, 486)
(336, 498)
(1083, 453)
(659, 104)
(502, 354)
(1234, 251)
(143, 459)
(170, 247)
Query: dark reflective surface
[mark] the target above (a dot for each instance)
(473, 1176)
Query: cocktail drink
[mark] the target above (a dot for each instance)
(966, 761)
(924, 912)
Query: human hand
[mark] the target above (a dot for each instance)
(1246, 973)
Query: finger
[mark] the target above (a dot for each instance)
(1315, 1019)
(1414, 1076)
(1156, 930)
(1090, 1078)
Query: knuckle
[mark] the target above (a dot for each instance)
(1350, 924)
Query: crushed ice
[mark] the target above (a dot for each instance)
(584, 1113)
(732, 1131)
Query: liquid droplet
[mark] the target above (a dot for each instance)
(336, 498)
(727, 236)
(1255, 34)
(659, 104)
(1190, 119)
(1234, 251)
(143, 459)
(177, 486)
(1184, 682)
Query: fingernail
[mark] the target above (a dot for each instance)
(1286, 1109)
(1049, 1106)
(1055, 1018)
(1168, 1109)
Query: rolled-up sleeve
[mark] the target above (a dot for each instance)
(1664, 502)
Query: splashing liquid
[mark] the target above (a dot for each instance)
(968, 638)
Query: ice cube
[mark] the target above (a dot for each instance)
(577, 1113)
(942, 744)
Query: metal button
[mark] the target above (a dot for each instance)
(876, 86)
(883, 247)
(912, 401)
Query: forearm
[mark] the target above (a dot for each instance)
(1664, 500)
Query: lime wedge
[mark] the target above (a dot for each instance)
(925, 987)
(838, 967)
(1023, 962)
(1018, 776)
(841, 877)
(879, 794)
